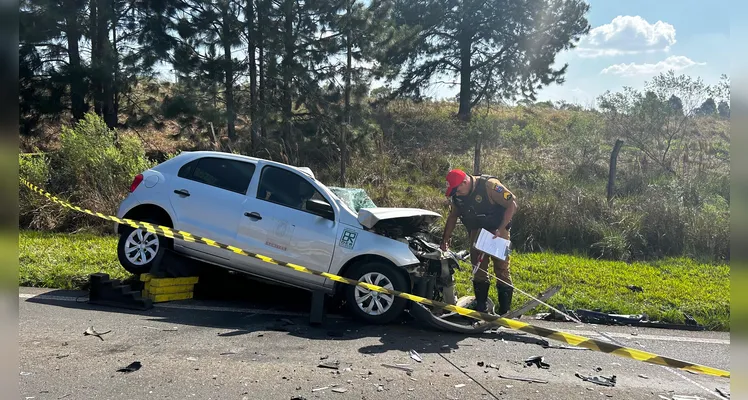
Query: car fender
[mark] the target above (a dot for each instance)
(353, 242)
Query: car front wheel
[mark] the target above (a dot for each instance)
(375, 307)
(137, 249)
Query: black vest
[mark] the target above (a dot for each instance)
(476, 210)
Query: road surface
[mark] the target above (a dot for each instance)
(235, 349)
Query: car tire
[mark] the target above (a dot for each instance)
(129, 250)
(375, 307)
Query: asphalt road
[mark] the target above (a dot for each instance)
(265, 349)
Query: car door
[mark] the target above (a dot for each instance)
(277, 220)
(208, 195)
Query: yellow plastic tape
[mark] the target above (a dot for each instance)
(564, 337)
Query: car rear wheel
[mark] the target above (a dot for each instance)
(371, 306)
(137, 249)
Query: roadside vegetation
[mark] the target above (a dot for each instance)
(631, 190)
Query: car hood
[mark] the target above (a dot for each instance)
(407, 218)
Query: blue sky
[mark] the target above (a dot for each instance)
(633, 40)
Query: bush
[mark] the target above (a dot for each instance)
(93, 169)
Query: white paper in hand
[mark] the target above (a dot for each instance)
(499, 247)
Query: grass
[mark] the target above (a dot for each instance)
(671, 287)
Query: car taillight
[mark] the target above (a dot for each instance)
(136, 182)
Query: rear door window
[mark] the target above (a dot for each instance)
(231, 175)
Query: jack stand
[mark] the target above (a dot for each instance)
(112, 292)
(317, 312)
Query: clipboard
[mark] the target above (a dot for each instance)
(499, 247)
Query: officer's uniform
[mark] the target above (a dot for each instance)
(484, 208)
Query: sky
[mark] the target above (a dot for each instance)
(631, 41)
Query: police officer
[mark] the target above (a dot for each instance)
(482, 202)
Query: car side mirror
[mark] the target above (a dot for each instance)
(321, 208)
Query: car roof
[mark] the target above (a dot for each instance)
(305, 170)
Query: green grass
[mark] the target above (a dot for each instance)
(64, 261)
(670, 287)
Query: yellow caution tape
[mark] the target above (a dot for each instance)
(564, 337)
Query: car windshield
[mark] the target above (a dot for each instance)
(353, 198)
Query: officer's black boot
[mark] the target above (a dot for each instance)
(481, 295)
(505, 297)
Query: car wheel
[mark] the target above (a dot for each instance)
(375, 307)
(137, 249)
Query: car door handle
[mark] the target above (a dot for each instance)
(252, 215)
(182, 192)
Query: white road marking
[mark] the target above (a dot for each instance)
(300, 314)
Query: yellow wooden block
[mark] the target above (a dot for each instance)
(145, 277)
(162, 282)
(159, 298)
(170, 289)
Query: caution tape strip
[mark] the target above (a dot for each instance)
(564, 337)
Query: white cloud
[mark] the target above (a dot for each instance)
(675, 63)
(627, 34)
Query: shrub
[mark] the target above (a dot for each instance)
(93, 169)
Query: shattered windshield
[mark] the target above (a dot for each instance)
(354, 198)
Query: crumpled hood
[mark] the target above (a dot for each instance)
(409, 218)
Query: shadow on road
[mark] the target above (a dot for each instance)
(243, 306)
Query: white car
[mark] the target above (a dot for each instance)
(283, 212)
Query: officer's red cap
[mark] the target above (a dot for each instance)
(454, 179)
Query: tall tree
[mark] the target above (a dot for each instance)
(504, 47)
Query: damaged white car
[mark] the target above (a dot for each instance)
(283, 212)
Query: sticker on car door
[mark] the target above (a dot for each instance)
(280, 235)
(348, 240)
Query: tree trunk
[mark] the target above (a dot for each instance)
(263, 24)
(347, 126)
(95, 57)
(77, 85)
(107, 64)
(465, 90)
(476, 157)
(229, 71)
(251, 34)
(287, 64)
(612, 171)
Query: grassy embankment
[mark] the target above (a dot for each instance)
(670, 287)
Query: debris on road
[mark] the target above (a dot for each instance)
(401, 367)
(414, 355)
(461, 385)
(679, 397)
(191, 359)
(643, 376)
(330, 365)
(723, 393)
(557, 346)
(520, 378)
(538, 361)
(599, 379)
(480, 363)
(318, 389)
(340, 390)
(298, 398)
(131, 368)
(92, 332)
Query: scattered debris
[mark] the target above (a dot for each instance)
(414, 355)
(380, 388)
(62, 355)
(520, 378)
(330, 365)
(679, 397)
(227, 353)
(318, 389)
(723, 393)
(480, 363)
(325, 357)
(340, 390)
(191, 359)
(538, 361)
(635, 288)
(92, 332)
(494, 366)
(557, 346)
(298, 398)
(600, 380)
(643, 376)
(404, 368)
(461, 385)
(131, 368)
(174, 329)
